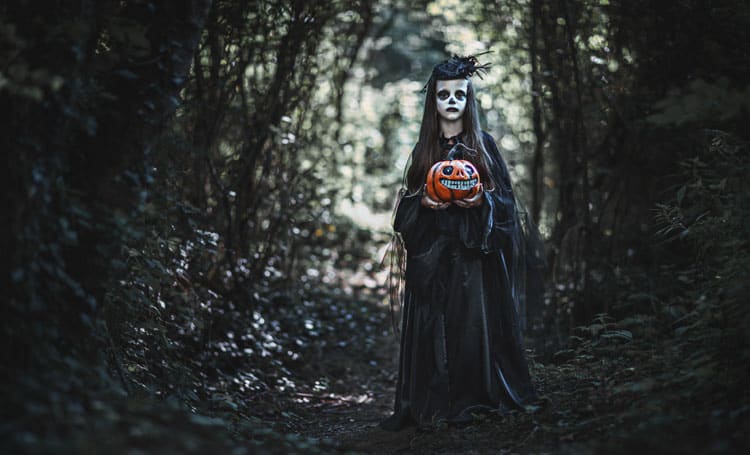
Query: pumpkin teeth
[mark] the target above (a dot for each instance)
(458, 184)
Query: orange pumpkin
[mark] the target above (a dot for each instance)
(451, 179)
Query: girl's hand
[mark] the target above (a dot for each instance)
(474, 201)
(430, 203)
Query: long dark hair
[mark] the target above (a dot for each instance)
(428, 150)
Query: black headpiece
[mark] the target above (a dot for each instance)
(458, 68)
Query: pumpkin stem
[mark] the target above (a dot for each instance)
(455, 151)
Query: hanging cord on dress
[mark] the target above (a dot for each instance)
(532, 264)
(528, 265)
(395, 254)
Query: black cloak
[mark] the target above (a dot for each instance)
(461, 336)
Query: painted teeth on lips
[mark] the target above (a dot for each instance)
(458, 184)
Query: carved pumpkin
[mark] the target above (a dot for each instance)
(452, 179)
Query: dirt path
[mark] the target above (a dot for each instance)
(345, 415)
(359, 395)
(604, 397)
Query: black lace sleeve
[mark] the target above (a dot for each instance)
(491, 226)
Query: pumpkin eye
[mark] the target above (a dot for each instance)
(448, 170)
(469, 170)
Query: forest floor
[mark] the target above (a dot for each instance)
(622, 387)
(617, 391)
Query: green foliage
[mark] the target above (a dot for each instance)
(132, 249)
(176, 260)
(688, 336)
(707, 215)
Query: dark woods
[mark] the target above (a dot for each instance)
(87, 92)
(614, 120)
(171, 176)
(155, 188)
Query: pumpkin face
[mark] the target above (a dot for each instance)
(452, 179)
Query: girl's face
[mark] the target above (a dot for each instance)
(451, 98)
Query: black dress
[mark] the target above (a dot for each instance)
(461, 339)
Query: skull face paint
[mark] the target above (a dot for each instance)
(451, 98)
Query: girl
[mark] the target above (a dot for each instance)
(461, 343)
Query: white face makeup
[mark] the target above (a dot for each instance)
(451, 98)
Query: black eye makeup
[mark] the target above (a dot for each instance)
(445, 94)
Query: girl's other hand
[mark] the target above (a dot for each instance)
(474, 201)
